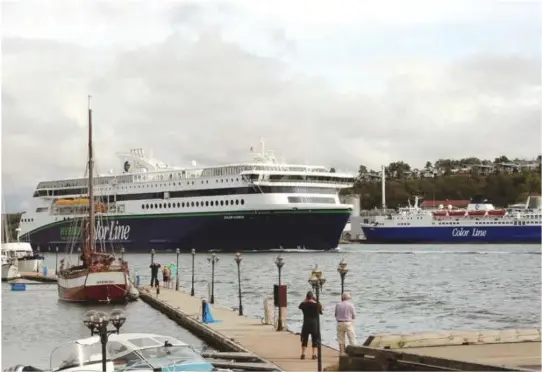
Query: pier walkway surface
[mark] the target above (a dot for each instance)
(238, 333)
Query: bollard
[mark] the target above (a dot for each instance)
(203, 307)
(157, 287)
(137, 280)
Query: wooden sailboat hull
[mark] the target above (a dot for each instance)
(86, 286)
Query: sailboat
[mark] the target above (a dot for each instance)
(101, 277)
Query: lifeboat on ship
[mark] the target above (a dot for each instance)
(440, 213)
(477, 213)
(457, 213)
(497, 212)
(81, 202)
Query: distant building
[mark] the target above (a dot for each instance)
(433, 204)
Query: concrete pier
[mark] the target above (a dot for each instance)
(235, 333)
(39, 277)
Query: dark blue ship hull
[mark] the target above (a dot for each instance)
(318, 229)
(454, 234)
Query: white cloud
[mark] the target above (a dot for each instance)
(201, 91)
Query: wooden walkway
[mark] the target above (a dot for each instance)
(282, 349)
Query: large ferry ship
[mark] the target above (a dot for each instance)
(480, 222)
(253, 206)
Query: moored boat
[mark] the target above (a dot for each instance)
(142, 352)
(101, 277)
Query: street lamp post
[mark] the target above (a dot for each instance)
(177, 271)
(97, 322)
(342, 270)
(56, 258)
(152, 255)
(193, 259)
(280, 263)
(213, 260)
(238, 259)
(317, 281)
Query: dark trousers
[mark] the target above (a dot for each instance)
(154, 280)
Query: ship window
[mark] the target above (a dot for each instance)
(178, 205)
(142, 206)
(197, 204)
(242, 201)
(236, 201)
(192, 204)
(226, 202)
(169, 205)
(151, 206)
(206, 203)
(160, 205)
(222, 202)
(212, 203)
(182, 204)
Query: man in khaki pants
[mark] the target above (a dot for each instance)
(345, 314)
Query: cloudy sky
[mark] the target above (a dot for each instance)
(337, 83)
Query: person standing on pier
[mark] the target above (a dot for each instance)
(311, 309)
(166, 274)
(154, 273)
(345, 314)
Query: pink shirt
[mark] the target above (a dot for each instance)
(345, 311)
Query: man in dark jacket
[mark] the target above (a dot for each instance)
(154, 273)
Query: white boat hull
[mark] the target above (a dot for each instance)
(30, 265)
(9, 272)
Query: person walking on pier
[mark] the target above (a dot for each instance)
(345, 314)
(311, 310)
(154, 273)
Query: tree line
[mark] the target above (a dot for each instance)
(500, 189)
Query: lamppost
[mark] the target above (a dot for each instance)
(122, 253)
(177, 271)
(238, 259)
(152, 255)
(213, 260)
(56, 258)
(280, 263)
(97, 322)
(317, 281)
(78, 256)
(193, 259)
(342, 270)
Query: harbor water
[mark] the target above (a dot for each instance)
(396, 289)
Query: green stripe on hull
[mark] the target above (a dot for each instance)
(200, 214)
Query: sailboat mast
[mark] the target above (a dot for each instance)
(90, 178)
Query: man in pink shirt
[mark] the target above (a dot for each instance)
(345, 314)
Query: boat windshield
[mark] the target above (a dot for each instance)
(164, 356)
(74, 354)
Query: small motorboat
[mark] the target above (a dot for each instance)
(125, 352)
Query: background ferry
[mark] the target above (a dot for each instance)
(480, 222)
(254, 206)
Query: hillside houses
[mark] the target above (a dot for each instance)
(482, 169)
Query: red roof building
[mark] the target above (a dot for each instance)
(445, 203)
